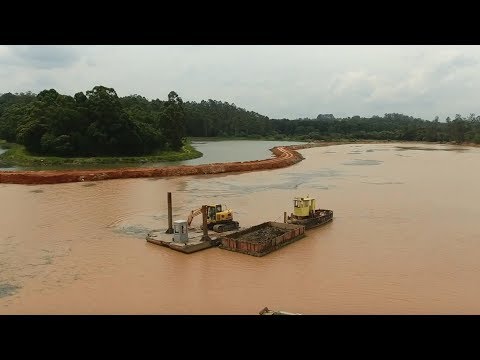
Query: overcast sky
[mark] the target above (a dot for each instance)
(277, 81)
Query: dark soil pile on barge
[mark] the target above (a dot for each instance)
(262, 235)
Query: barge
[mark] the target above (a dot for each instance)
(179, 237)
(259, 240)
(183, 239)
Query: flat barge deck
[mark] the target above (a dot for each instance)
(262, 239)
(194, 243)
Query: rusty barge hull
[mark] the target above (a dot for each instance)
(262, 239)
(321, 217)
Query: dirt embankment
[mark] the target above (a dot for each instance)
(285, 156)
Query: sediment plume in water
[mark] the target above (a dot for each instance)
(284, 156)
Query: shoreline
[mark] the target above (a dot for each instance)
(284, 156)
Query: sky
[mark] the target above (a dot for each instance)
(279, 81)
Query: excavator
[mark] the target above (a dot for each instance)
(219, 218)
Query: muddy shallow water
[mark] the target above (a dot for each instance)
(404, 240)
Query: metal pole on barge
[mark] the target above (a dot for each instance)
(205, 236)
(170, 221)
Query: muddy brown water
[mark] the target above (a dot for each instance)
(405, 239)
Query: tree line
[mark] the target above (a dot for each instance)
(97, 123)
(100, 122)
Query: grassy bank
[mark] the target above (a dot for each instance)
(18, 156)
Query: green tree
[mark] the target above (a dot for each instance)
(30, 135)
(112, 131)
(174, 121)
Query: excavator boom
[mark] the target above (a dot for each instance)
(193, 213)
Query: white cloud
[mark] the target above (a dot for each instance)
(278, 81)
(4, 51)
(354, 82)
(42, 56)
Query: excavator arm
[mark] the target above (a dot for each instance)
(193, 213)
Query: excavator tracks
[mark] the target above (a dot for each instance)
(226, 227)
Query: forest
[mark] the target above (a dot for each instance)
(100, 123)
(97, 123)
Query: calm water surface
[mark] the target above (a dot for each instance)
(405, 240)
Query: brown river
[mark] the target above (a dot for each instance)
(405, 239)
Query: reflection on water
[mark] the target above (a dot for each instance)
(434, 148)
(363, 162)
(7, 289)
(404, 240)
(137, 230)
(383, 182)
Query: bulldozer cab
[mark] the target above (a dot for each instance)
(303, 206)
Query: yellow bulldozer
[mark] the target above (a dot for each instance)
(219, 218)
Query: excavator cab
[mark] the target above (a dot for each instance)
(217, 214)
(212, 211)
